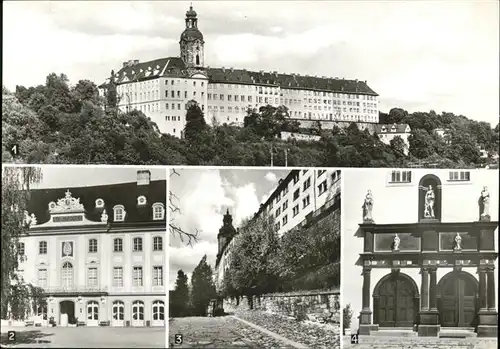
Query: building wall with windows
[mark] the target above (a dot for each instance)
(225, 94)
(99, 252)
(297, 196)
(387, 132)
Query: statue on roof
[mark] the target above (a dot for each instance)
(104, 217)
(368, 207)
(484, 204)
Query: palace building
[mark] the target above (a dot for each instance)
(298, 200)
(98, 252)
(427, 248)
(161, 89)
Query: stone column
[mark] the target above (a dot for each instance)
(433, 290)
(483, 305)
(366, 289)
(424, 293)
(365, 316)
(429, 316)
(491, 291)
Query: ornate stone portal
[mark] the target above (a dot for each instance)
(448, 301)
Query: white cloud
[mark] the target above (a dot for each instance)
(271, 177)
(246, 201)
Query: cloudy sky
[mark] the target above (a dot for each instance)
(418, 55)
(203, 198)
(76, 176)
(399, 204)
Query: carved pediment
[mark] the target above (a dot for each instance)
(68, 204)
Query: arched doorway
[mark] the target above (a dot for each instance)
(138, 313)
(395, 301)
(92, 313)
(67, 313)
(457, 299)
(118, 314)
(158, 313)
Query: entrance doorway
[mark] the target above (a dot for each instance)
(67, 309)
(395, 301)
(138, 313)
(118, 314)
(457, 299)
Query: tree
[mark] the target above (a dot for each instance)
(202, 287)
(398, 146)
(251, 267)
(316, 128)
(173, 206)
(195, 123)
(421, 143)
(16, 184)
(179, 298)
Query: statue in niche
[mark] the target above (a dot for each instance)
(395, 244)
(368, 207)
(104, 217)
(429, 203)
(485, 202)
(458, 243)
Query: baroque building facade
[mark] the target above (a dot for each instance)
(98, 252)
(299, 198)
(427, 250)
(162, 88)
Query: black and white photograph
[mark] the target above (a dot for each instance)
(252, 83)
(254, 258)
(419, 259)
(83, 257)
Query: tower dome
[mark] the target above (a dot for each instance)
(191, 42)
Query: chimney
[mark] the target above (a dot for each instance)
(143, 177)
(136, 61)
(125, 64)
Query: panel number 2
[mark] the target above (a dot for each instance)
(11, 336)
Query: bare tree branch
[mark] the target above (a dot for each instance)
(186, 237)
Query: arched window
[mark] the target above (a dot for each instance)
(20, 249)
(67, 275)
(158, 310)
(42, 247)
(138, 311)
(118, 245)
(93, 311)
(158, 211)
(119, 212)
(137, 244)
(118, 311)
(93, 246)
(157, 243)
(197, 59)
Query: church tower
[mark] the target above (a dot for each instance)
(226, 233)
(191, 43)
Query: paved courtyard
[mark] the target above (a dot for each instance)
(85, 337)
(420, 343)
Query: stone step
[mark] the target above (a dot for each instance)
(395, 332)
(457, 332)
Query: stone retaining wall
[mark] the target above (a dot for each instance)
(316, 306)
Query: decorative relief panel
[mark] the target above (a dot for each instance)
(67, 249)
(407, 242)
(447, 241)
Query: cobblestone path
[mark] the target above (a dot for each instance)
(312, 335)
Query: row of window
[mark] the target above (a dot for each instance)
(67, 276)
(399, 176)
(177, 94)
(137, 245)
(178, 82)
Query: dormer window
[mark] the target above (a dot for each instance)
(119, 213)
(393, 129)
(141, 200)
(99, 203)
(384, 129)
(158, 211)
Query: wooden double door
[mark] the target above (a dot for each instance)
(458, 300)
(395, 302)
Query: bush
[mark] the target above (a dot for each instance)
(347, 313)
